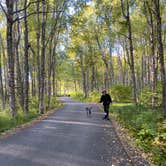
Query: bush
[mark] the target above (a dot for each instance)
(53, 102)
(33, 103)
(94, 96)
(78, 96)
(121, 93)
(149, 98)
(5, 121)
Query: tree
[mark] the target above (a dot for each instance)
(156, 4)
(10, 52)
(26, 61)
(126, 15)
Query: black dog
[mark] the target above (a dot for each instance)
(89, 111)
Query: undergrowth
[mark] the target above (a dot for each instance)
(7, 122)
(147, 126)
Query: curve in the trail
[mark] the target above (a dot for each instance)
(67, 138)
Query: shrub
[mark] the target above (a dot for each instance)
(94, 96)
(149, 98)
(78, 96)
(5, 121)
(121, 93)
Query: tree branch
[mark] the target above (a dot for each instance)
(30, 14)
(29, 4)
(3, 9)
(124, 15)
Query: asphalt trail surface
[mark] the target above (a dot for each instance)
(67, 138)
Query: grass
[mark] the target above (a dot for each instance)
(7, 122)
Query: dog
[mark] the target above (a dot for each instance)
(89, 111)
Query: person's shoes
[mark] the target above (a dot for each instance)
(108, 118)
(104, 118)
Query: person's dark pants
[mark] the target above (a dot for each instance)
(106, 110)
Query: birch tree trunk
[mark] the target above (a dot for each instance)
(5, 67)
(38, 48)
(111, 65)
(83, 75)
(19, 79)
(42, 69)
(26, 63)
(54, 73)
(1, 84)
(1, 77)
(50, 64)
(10, 53)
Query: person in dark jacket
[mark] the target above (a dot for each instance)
(106, 100)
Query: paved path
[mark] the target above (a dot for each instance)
(67, 138)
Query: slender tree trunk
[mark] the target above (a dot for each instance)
(150, 21)
(1, 85)
(132, 67)
(33, 70)
(111, 65)
(50, 65)
(38, 48)
(11, 73)
(42, 69)
(53, 43)
(142, 72)
(106, 75)
(160, 52)
(53, 74)
(33, 81)
(5, 75)
(26, 63)
(18, 70)
(93, 78)
(148, 71)
(108, 23)
(1, 77)
(83, 75)
(132, 61)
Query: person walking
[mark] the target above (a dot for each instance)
(106, 100)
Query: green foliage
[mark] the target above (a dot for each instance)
(7, 122)
(160, 142)
(94, 96)
(146, 135)
(162, 131)
(149, 98)
(54, 103)
(22, 118)
(78, 96)
(121, 93)
(33, 103)
(147, 126)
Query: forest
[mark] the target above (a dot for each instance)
(50, 48)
